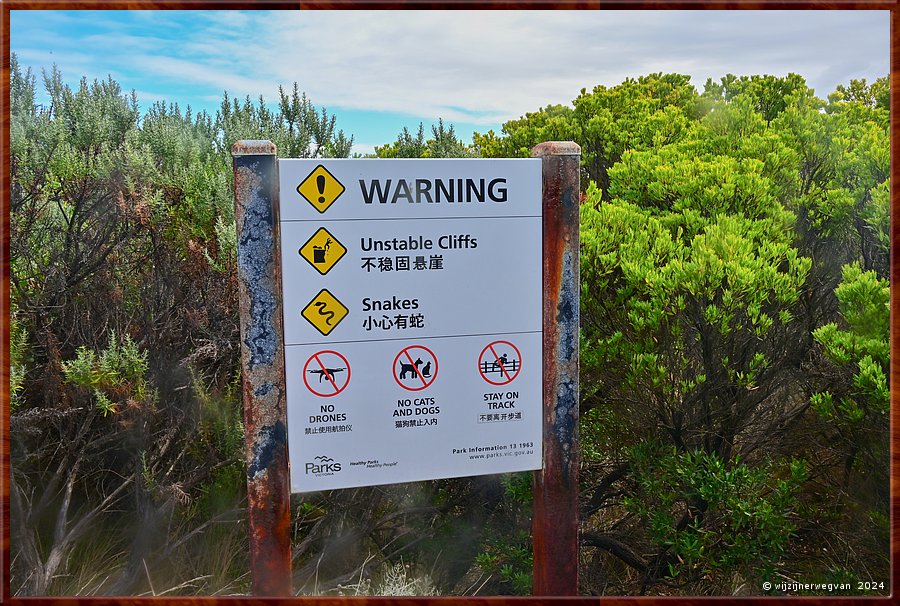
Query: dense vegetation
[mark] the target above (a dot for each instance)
(734, 349)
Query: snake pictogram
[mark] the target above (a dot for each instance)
(322, 312)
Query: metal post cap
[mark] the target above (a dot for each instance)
(556, 148)
(253, 147)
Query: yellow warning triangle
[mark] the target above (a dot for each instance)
(324, 312)
(320, 188)
(322, 251)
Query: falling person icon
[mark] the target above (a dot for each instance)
(319, 252)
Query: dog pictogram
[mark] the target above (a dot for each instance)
(415, 368)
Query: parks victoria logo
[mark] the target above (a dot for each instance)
(323, 466)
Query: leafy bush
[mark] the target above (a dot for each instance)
(711, 517)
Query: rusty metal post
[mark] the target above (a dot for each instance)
(262, 363)
(555, 523)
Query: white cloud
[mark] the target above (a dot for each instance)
(364, 148)
(151, 97)
(488, 66)
(478, 67)
(199, 73)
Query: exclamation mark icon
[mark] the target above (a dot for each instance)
(320, 183)
(320, 188)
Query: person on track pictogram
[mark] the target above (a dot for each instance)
(499, 367)
(500, 363)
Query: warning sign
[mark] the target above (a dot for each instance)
(411, 261)
(415, 368)
(499, 363)
(326, 373)
(322, 251)
(324, 312)
(320, 188)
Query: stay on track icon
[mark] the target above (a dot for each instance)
(415, 368)
(499, 363)
(326, 373)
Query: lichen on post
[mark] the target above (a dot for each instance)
(262, 364)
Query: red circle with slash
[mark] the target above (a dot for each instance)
(404, 360)
(324, 365)
(508, 371)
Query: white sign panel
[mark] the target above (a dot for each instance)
(412, 319)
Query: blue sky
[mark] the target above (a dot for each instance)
(379, 71)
